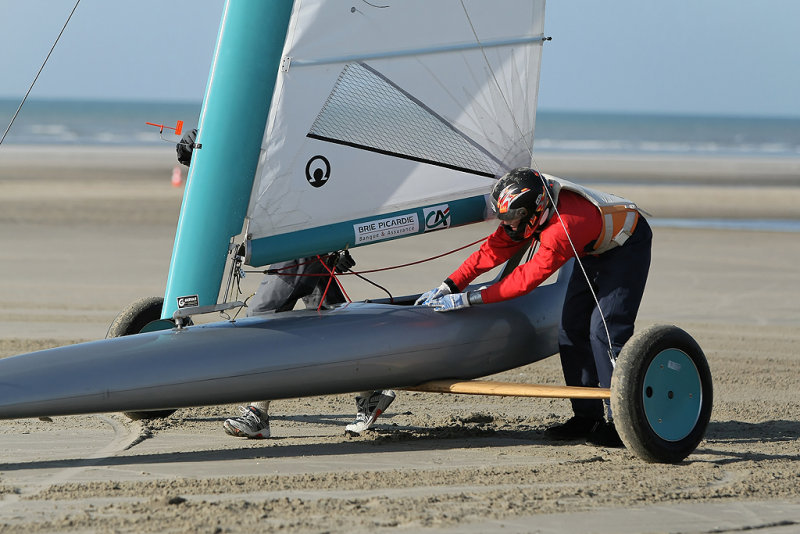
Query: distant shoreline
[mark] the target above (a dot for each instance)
(671, 187)
(88, 156)
(677, 168)
(606, 167)
(13, 102)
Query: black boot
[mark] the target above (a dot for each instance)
(605, 435)
(577, 427)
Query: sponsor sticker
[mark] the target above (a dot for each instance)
(436, 217)
(189, 301)
(377, 230)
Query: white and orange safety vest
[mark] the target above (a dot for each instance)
(619, 214)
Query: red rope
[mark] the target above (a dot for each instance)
(281, 273)
(332, 271)
(278, 271)
(332, 274)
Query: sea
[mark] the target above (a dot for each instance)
(104, 123)
(92, 123)
(71, 122)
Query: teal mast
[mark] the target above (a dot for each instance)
(230, 131)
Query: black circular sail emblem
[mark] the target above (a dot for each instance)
(318, 170)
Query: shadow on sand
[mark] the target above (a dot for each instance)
(461, 433)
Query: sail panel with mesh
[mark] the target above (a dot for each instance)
(368, 111)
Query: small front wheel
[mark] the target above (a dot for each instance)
(661, 394)
(144, 315)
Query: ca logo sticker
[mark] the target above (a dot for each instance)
(436, 217)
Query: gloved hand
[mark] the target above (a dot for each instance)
(185, 147)
(451, 302)
(344, 262)
(426, 298)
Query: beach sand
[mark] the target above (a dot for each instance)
(84, 232)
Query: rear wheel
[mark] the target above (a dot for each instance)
(661, 394)
(144, 315)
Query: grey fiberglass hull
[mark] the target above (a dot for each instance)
(354, 347)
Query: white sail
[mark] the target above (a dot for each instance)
(391, 119)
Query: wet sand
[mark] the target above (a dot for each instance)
(84, 232)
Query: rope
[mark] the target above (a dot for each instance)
(586, 276)
(535, 166)
(28, 92)
(367, 280)
(331, 273)
(358, 273)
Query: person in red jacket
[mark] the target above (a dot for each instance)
(612, 241)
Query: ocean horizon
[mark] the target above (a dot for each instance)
(100, 123)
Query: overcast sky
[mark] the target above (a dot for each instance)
(731, 57)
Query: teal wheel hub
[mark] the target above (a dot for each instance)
(155, 326)
(672, 395)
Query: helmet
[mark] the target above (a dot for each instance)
(520, 195)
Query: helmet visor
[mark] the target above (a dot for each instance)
(512, 214)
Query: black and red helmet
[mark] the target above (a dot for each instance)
(520, 195)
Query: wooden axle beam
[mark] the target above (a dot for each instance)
(509, 389)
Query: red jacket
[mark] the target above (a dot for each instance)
(584, 223)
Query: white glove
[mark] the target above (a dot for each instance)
(426, 298)
(446, 303)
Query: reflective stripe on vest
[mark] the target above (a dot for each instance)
(619, 215)
(619, 222)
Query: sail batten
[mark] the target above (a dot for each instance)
(356, 58)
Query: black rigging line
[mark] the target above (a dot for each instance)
(38, 73)
(535, 166)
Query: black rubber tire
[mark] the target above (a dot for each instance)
(132, 320)
(629, 394)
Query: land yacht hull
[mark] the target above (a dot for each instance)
(354, 347)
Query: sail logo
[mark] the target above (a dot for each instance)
(436, 217)
(381, 229)
(318, 170)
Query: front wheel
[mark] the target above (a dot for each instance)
(144, 315)
(661, 394)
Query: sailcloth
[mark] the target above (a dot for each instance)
(391, 119)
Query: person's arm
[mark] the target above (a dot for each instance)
(529, 275)
(583, 222)
(497, 248)
(522, 279)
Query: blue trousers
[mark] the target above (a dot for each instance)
(618, 278)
